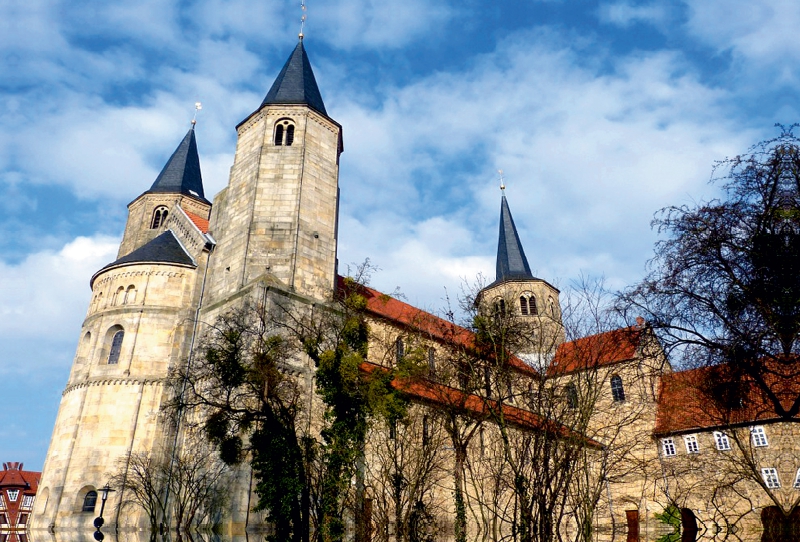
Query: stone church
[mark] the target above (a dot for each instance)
(273, 232)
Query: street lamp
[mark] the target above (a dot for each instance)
(98, 521)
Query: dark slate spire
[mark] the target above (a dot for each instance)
(511, 261)
(182, 175)
(296, 83)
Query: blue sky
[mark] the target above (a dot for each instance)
(599, 112)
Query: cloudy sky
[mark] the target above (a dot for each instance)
(599, 112)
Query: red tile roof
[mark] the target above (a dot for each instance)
(597, 350)
(12, 476)
(691, 400)
(435, 394)
(199, 221)
(397, 312)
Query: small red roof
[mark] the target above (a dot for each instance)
(389, 308)
(440, 395)
(12, 476)
(199, 221)
(687, 399)
(597, 350)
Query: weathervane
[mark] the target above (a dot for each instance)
(197, 107)
(302, 19)
(502, 180)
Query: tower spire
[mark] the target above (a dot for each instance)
(511, 260)
(296, 83)
(181, 174)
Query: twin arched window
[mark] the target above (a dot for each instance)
(499, 307)
(125, 297)
(527, 305)
(284, 133)
(159, 217)
(617, 390)
(116, 346)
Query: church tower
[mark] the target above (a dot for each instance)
(138, 326)
(277, 218)
(515, 291)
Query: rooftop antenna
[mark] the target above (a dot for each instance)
(502, 181)
(302, 19)
(197, 107)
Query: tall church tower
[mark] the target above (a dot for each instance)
(137, 328)
(277, 218)
(517, 292)
(272, 232)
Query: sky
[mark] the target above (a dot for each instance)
(599, 113)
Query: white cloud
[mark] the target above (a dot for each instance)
(44, 298)
(589, 155)
(627, 13)
(761, 34)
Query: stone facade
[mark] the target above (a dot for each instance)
(269, 241)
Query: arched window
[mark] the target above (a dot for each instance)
(523, 305)
(499, 307)
(159, 217)
(617, 391)
(89, 501)
(130, 294)
(289, 135)
(552, 305)
(400, 351)
(532, 305)
(284, 133)
(119, 296)
(572, 396)
(116, 347)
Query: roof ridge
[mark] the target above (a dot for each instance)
(296, 83)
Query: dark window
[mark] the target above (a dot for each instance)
(116, 347)
(431, 361)
(23, 537)
(617, 391)
(487, 380)
(159, 217)
(279, 135)
(523, 305)
(289, 135)
(426, 431)
(89, 501)
(3, 519)
(572, 396)
(500, 308)
(23, 519)
(393, 429)
(3, 537)
(532, 305)
(400, 350)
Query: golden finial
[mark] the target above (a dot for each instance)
(502, 181)
(302, 19)
(197, 107)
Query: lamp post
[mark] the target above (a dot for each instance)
(99, 521)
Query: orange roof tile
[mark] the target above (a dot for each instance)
(687, 399)
(398, 312)
(199, 221)
(13, 477)
(436, 394)
(596, 350)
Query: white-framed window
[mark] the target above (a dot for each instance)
(796, 484)
(770, 476)
(668, 445)
(27, 501)
(692, 447)
(13, 495)
(759, 436)
(722, 441)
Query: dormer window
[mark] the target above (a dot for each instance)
(284, 133)
(159, 217)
